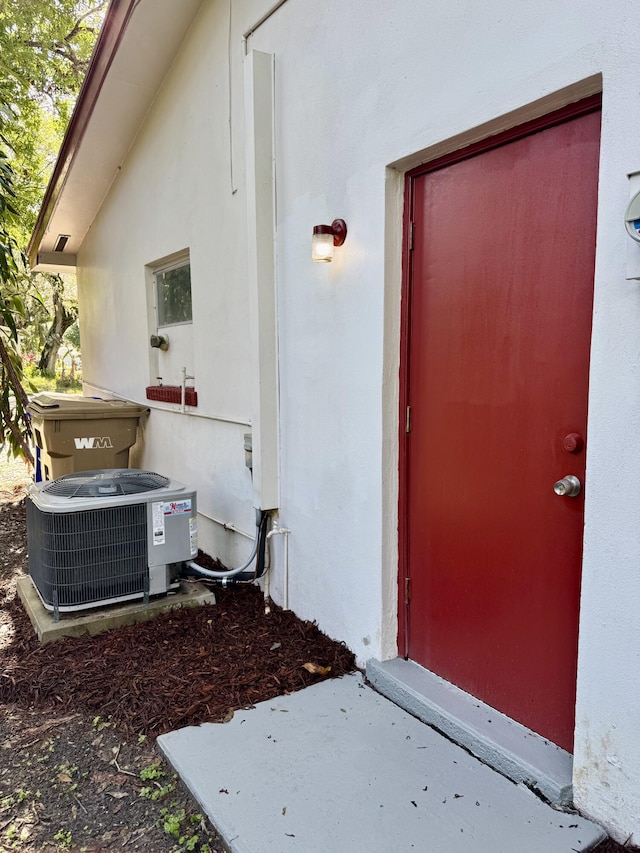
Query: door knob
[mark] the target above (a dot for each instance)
(568, 486)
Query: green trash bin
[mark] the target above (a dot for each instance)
(75, 433)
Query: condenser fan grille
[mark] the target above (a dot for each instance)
(105, 484)
(88, 556)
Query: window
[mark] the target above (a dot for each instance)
(173, 293)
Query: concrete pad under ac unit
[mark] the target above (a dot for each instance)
(105, 618)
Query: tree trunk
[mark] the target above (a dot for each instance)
(63, 317)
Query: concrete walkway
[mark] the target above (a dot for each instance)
(339, 768)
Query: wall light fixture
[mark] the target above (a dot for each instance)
(325, 237)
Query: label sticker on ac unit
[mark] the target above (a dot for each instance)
(177, 507)
(193, 536)
(157, 517)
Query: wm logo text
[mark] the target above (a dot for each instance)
(94, 443)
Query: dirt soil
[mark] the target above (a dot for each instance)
(79, 768)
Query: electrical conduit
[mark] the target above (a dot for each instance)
(241, 573)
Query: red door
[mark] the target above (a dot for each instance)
(498, 302)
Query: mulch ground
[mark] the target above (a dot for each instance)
(184, 667)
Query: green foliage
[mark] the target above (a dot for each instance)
(156, 791)
(72, 336)
(172, 821)
(14, 424)
(38, 381)
(63, 837)
(45, 48)
(159, 793)
(7, 803)
(175, 822)
(152, 771)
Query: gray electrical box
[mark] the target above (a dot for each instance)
(248, 450)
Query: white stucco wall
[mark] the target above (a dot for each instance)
(361, 86)
(174, 192)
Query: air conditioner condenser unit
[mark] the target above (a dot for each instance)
(101, 537)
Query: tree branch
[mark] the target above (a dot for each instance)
(14, 380)
(19, 439)
(78, 24)
(11, 423)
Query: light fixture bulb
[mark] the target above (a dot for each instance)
(322, 248)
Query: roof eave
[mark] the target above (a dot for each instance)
(111, 33)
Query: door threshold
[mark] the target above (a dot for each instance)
(513, 750)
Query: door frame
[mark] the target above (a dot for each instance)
(558, 116)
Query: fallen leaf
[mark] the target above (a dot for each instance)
(63, 777)
(275, 646)
(49, 725)
(117, 795)
(316, 669)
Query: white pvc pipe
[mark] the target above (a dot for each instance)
(285, 567)
(183, 394)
